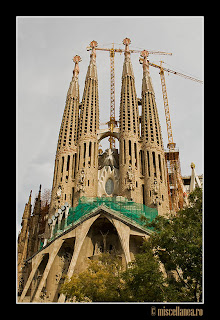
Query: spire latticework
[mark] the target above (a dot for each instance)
(154, 168)
(65, 161)
(87, 168)
(129, 131)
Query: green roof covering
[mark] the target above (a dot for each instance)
(120, 206)
(130, 209)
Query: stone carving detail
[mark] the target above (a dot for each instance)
(59, 192)
(81, 181)
(56, 196)
(130, 179)
(155, 194)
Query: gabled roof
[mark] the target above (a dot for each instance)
(103, 206)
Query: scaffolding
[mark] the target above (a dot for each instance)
(174, 178)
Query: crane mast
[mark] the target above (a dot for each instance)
(112, 122)
(172, 157)
(171, 144)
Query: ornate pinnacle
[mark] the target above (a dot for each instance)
(144, 53)
(76, 60)
(143, 60)
(126, 42)
(192, 165)
(93, 45)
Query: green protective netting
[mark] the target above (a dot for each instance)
(121, 206)
(41, 245)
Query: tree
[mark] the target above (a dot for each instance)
(45, 197)
(143, 279)
(100, 282)
(178, 244)
(105, 280)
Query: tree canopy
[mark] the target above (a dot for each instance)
(178, 244)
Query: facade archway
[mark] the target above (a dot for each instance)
(102, 237)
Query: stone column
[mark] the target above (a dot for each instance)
(56, 247)
(81, 232)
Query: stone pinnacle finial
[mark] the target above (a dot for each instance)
(192, 165)
(143, 59)
(76, 60)
(93, 45)
(144, 53)
(126, 42)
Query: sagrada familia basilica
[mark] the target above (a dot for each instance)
(97, 197)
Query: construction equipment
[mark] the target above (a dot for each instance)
(112, 122)
(176, 189)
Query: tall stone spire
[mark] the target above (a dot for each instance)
(154, 168)
(129, 132)
(68, 128)
(87, 158)
(65, 161)
(129, 117)
(89, 116)
(33, 240)
(150, 128)
(23, 236)
(23, 241)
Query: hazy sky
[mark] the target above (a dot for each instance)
(45, 48)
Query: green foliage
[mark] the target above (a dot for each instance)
(104, 280)
(144, 282)
(178, 244)
(99, 282)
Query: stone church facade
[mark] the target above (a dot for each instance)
(97, 198)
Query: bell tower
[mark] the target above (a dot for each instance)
(129, 183)
(154, 168)
(66, 154)
(87, 155)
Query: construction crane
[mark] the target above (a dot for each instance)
(177, 192)
(112, 122)
(165, 98)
